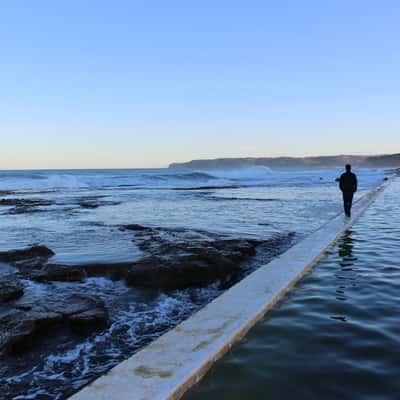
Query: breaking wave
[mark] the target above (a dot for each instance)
(44, 180)
(165, 178)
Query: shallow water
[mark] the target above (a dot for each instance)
(250, 203)
(337, 335)
(261, 203)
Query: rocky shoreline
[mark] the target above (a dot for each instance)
(173, 259)
(92, 273)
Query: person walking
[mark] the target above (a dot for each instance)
(348, 185)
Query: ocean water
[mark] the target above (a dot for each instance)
(253, 202)
(79, 214)
(337, 334)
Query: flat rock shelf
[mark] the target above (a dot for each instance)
(170, 365)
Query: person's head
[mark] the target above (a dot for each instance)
(348, 167)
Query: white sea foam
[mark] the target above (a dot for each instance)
(165, 178)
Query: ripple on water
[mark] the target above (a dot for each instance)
(337, 335)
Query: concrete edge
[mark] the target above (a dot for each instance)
(169, 366)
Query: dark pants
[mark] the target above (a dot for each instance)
(347, 201)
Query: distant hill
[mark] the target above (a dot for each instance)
(380, 161)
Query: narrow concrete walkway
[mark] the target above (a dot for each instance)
(166, 368)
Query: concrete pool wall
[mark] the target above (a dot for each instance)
(174, 362)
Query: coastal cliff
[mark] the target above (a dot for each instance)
(379, 161)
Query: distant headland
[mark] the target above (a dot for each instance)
(376, 161)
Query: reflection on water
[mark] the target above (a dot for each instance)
(345, 250)
(348, 269)
(337, 335)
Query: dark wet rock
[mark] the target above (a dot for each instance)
(23, 210)
(25, 202)
(30, 323)
(181, 258)
(182, 272)
(75, 273)
(242, 247)
(89, 320)
(89, 204)
(195, 188)
(178, 259)
(15, 332)
(32, 263)
(136, 227)
(54, 272)
(33, 252)
(255, 199)
(80, 307)
(42, 272)
(93, 202)
(24, 206)
(11, 288)
(171, 241)
(113, 271)
(7, 269)
(192, 266)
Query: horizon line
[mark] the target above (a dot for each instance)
(199, 159)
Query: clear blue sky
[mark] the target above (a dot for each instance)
(144, 83)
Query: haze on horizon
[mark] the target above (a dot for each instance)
(99, 84)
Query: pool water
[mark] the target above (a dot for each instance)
(337, 334)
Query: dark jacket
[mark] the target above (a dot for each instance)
(348, 182)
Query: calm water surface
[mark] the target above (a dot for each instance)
(337, 335)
